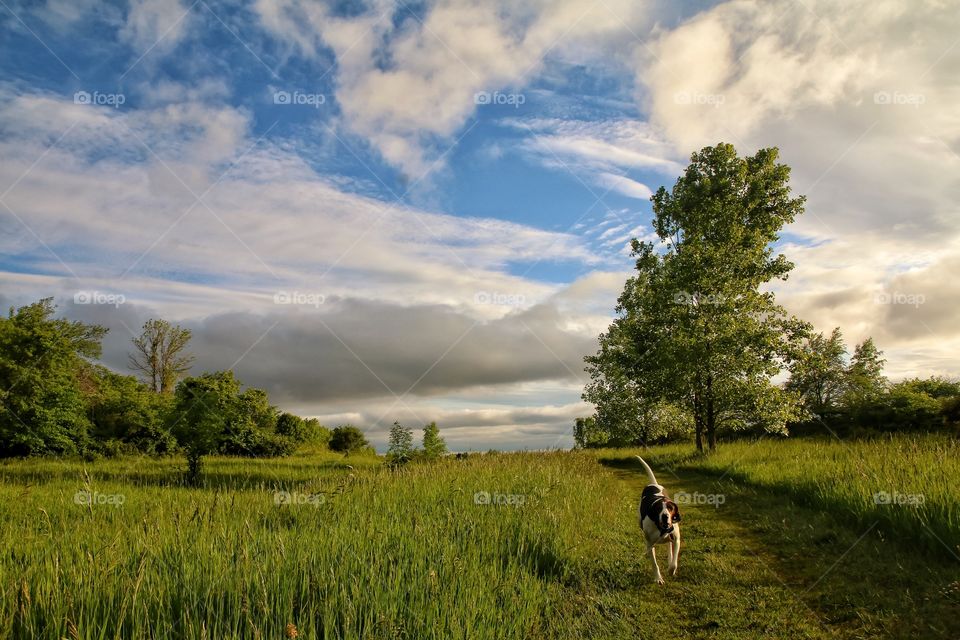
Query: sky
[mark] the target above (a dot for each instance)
(421, 211)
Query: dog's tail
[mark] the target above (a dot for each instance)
(653, 478)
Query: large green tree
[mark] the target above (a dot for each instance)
(42, 408)
(694, 326)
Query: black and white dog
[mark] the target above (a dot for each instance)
(658, 518)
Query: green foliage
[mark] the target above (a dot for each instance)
(203, 407)
(126, 412)
(292, 426)
(316, 433)
(865, 379)
(935, 386)
(693, 328)
(950, 410)
(902, 408)
(586, 434)
(434, 446)
(211, 415)
(42, 408)
(819, 373)
(400, 448)
(348, 439)
(654, 423)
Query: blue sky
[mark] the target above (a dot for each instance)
(420, 211)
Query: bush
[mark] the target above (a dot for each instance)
(902, 408)
(292, 426)
(316, 433)
(348, 439)
(950, 411)
(124, 410)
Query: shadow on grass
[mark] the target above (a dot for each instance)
(176, 477)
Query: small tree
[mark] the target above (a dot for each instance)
(586, 434)
(203, 408)
(347, 439)
(159, 354)
(819, 375)
(434, 446)
(400, 448)
(865, 374)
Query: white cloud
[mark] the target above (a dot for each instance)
(266, 221)
(156, 24)
(624, 186)
(409, 89)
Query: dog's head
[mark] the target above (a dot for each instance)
(669, 515)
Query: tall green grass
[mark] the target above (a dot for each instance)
(379, 554)
(847, 478)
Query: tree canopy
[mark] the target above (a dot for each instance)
(695, 327)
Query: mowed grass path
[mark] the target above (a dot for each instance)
(411, 554)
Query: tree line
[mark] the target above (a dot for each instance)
(56, 400)
(698, 336)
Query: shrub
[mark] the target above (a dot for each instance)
(348, 439)
(316, 433)
(292, 426)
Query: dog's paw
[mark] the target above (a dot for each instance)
(672, 570)
(659, 580)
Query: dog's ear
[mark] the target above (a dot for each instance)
(674, 511)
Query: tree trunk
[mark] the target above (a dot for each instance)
(698, 422)
(193, 468)
(711, 415)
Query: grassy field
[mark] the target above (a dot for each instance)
(529, 545)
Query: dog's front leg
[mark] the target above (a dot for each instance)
(656, 568)
(674, 553)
